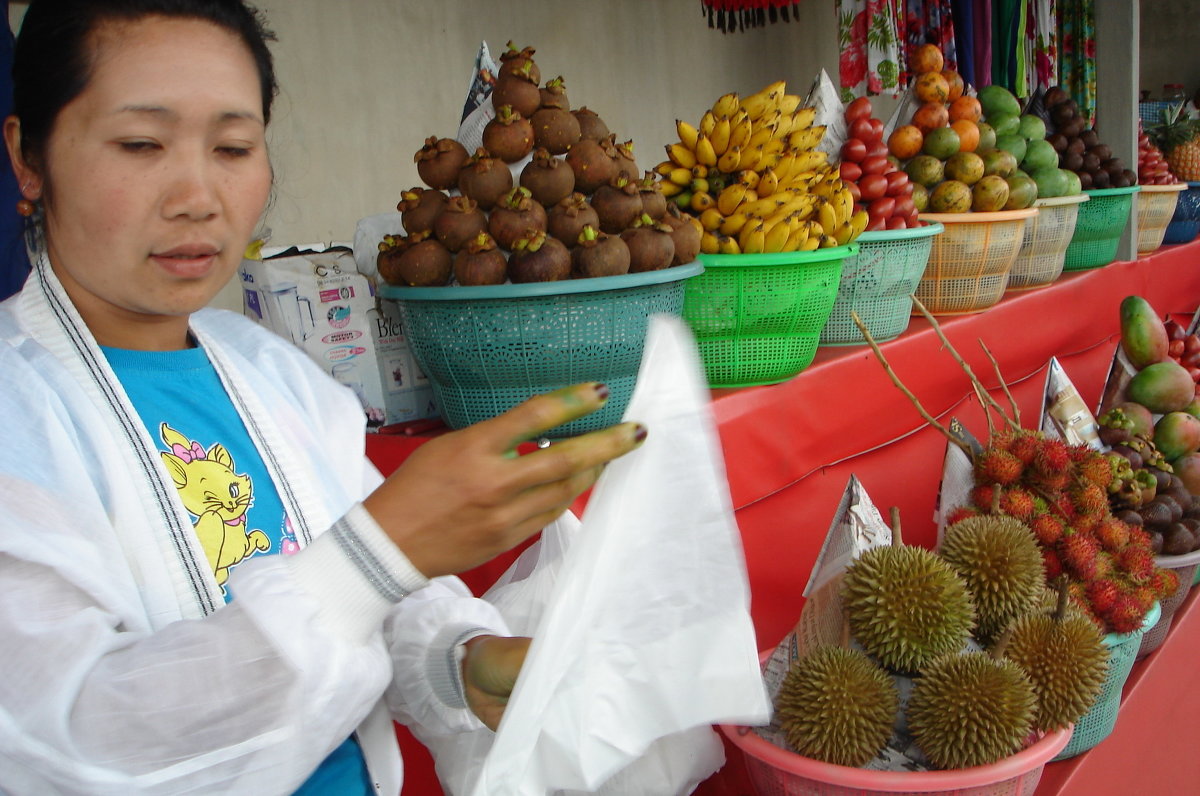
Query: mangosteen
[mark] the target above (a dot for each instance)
(554, 94)
(598, 254)
(594, 164)
(553, 125)
(460, 221)
(422, 261)
(1162, 479)
(1085, 179)
(509, 136)
(617, 204)
(1091, 139)
(1075, 144)
(1091, 162)
(654, 202)
(1102, 151)
(1118, 180)
(1058, 141)
(537, 257)
(1061, 114)
(650, 245)
(1110, 435)
(1055, 95)
(1100, 179)
(515, 216)
(439, 161)
(591, 126)
(685, 234)
(517, 90)
(1130, 177)
(625, 161)
(485, 179)
(568, 218)
(419, 207)
(1074, 127)
(549, 179)
(514, 61)
(1072, 161)
(480, 262)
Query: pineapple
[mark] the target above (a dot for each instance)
(1179, 138)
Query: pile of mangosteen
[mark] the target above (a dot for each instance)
(1079, 147)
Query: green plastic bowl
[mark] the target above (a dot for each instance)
(1098, 228)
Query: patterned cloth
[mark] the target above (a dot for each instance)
(871, 57)
(1042, 35)
(931, 22)
(1077, 59)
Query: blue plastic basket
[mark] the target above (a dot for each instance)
(487, 349)
(1185, 223)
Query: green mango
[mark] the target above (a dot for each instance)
(1162, 387)
(1143, 335)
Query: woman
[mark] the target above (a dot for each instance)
(159, 455)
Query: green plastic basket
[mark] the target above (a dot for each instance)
(1097, 724)
(757, 318)
(878, 283)
(487, 349)
(1098, 228)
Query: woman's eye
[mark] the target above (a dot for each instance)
(234, 151)
(138, 146)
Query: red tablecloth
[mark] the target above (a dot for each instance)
(791, 448)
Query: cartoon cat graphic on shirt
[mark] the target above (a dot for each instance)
(217, 496)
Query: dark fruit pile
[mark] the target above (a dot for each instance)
(577, 208)
(1079, 147)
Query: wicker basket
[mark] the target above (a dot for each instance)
(1099, 227)
(1098, 723)
(1044, 247)
(970, 261)
(1185, 223)
(1155, 208)
(487, 349)
(1185, 566)
(878, 285)
(758, 317)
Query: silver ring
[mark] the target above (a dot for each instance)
(542, 442)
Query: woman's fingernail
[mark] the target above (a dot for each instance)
(601, 390)
(639, 433)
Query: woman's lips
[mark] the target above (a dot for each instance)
(187, 262)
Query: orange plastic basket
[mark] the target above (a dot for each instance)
(1155, 208)
(971, 260)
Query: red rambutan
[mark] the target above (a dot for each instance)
(1078, 553)
(1113, 534)
(1164, 583)
(984, 496)
(1017, 502)
(1025, 447)
(1102, 595)
(1051, 563)
(1053, 456)
(1137, 563)
(1138, 537)
(1047, 528)
(1096, 469)
(961, 513)
(999, 467)
(1125, 615)
(1089, 500)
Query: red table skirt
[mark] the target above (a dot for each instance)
(790, 448)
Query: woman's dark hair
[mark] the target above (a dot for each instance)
(53, 53)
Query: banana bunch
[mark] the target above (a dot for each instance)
(751, 173)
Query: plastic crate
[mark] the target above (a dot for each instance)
(1185, 223)
(1155, 208)
(1185, 566)
(1044, 248)
(970, 261)
(1098, 723)
(487, 349)
(1098, 228)
(758, 318)
(878, 285)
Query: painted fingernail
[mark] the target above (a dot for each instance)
(640, 433)
(601, 391)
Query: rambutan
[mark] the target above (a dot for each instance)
(961, 513)
(1053, 456)
(1137, 563)
(1085, 523)
(1078, 553)
(999, 467)
(1125, 615)
(1106, 565)
(1113, 534)
(1017, 502)
(1164, 583)
(1052, 482)
(1102, 595)
(1079, 452)
(1052, 563)
(1047, 528)
(984, 497)
(1025, 447)
(1095, 469)
(1089, 500)
(1139, 537)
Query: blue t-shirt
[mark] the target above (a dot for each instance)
(220, 476)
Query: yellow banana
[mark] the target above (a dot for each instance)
(811, 243)
(679, 175)
(843, 233)
(761, 208)
(768, 182)
(803, 118)
(729, 198)
(670, 189)
(687, 133)
(732, 224)
(681, 155)
(752, 237)
(730, 160)
(761, 135)
(726, 106)
(788, 103)
(707, 122)
(796, 237)
(665, 167)
(828, 242)
(858, 223)
(776, 236)
(827, 216)
(740, 130)
(701, 201)
(769, 160)
(806, 161)
(705, 154)
(720, 136)
(808, 138)
(844, 205)
(708, 243)
(774, 147)
(728, 245)
(765, 100)
(699, 184)
(710, 219)
(785, 167)
(748, 178)
(699, 171)
(750, 158)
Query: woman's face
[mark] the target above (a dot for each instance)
(155, 176)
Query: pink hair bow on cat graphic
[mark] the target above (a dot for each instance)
(196, 452)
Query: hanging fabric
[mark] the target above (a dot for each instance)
(871, 56)
(728, 16)
(1004, 42)
(1042, 32)
(963, 12)
(982, 36)
(931, 22)
(1077, 54)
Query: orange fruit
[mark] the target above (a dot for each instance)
(968, 134)
(965, 108)
(931, 87)
(955, 82)
(931, 116)
(926, 58)
(905, 141)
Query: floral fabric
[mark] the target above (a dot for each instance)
(930, 22)
(1077, 58)
(871, 59)
(1042, 36)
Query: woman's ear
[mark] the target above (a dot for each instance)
(28, 179)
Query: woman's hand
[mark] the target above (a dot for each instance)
(462, 498)
(490, 671)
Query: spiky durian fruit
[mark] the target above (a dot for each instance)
(1001, 563)
(906, 606)
(837, 706)
(971, 710)
(1062, 652)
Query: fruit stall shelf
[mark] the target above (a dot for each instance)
(790, 449)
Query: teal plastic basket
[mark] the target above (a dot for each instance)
(1185, 566)
(758, 318)
(487, 349)
(877, 284)
(1097, 724)
(1098, 228)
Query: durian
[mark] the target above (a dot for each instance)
(837, 706)
(971, 710)
(1001, 563)
(906, 606)
(1063, 654)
